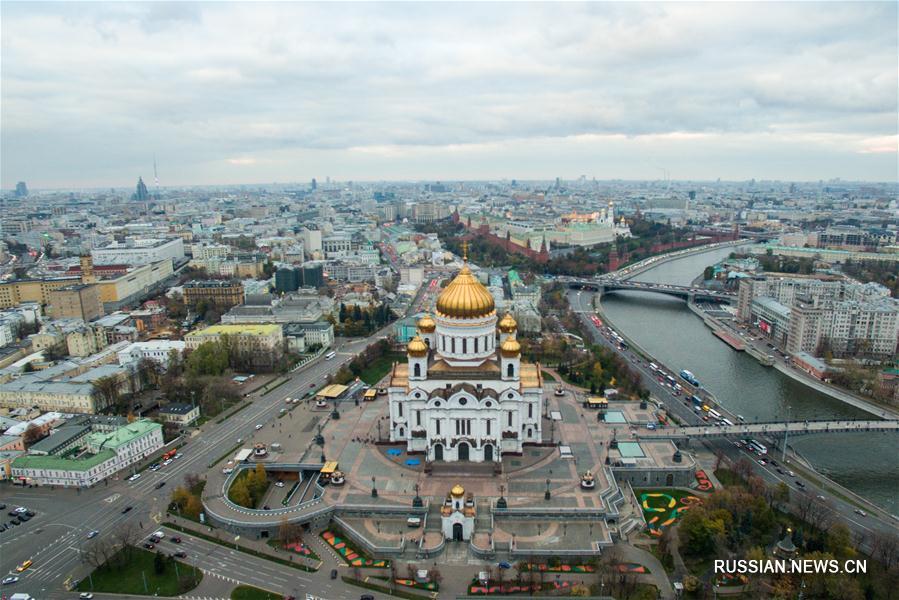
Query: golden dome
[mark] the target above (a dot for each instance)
(426, 324)
(465, 298)
(507, 324)
(417, 347)
(457, 491)
(510, 347)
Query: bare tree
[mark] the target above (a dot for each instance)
(885, 548)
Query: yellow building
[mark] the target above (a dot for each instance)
(250, 338)
(14, 293)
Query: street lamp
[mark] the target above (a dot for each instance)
(547, 495)
(374, 490)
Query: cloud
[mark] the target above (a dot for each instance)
(91, 90)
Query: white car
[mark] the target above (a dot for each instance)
(9, 580)
(860, 512)
(160, 534)
(258, 426)
(93, 534)
(179, 455)
(85, 596)
(167, 462)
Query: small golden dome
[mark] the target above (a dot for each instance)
(465, 298)
(507, 324)
(426, 324)
(510, 347)
(417, 347)
(458, 491)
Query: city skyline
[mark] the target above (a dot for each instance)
(794, 92)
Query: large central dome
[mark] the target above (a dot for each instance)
(465, 298)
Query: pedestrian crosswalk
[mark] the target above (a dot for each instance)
(220, 576)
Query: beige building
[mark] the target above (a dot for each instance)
(80, 301)
(86, 340)
(224, 294)
(260, 342)
(14, 293)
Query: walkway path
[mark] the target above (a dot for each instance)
(628, 553)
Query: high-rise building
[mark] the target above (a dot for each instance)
(141, 195)
(21, 190)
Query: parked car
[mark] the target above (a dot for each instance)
(85, 596)
(181, 554)
(258, 426)
(333, 573)
(149, 546)
(9, 580)
(176, 540)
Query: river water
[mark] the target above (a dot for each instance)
(866, 463)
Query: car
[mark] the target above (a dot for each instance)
(258, 426)
(333, 573)
(2, 506)
(154, 539)
(167, 462)
(159, 485)
(176, 540)
(92, 534)
(266, 507)
(180, 554)
(791, 473)
(761, 461)
(279, 484)
(311, 385)
(9, 580)
(159, 533)
(24, 517)
(134, 477)
(127, 509)
(773, 462)
(149, 546)
(504, 565)
(24, 566)
(799, 484)
(779, 470)
(13, 513)
(85, 596)
(860, 512)
(155, 468)
(366, 597)
(179, 455)
(15, 522)
(30, 513)
(822, 498)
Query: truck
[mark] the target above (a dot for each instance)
(21, 597)
(689, 378)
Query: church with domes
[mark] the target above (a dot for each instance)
(464, 394)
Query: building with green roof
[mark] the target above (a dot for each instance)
(99, 455)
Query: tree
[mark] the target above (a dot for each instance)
(240, 494)
(209, 358)
(180, 497)
(149, 372)
(107, 390)
(290, 533)
(32, 434)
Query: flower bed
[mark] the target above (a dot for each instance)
(661, 509)
(430, 586)
(301, 549)
(478, 589)
(702, 482)
(558, 569)
(351, 555)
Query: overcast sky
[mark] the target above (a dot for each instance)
(258, 92)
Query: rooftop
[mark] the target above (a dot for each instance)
(32, 461)
(122, 435)
(238, 329)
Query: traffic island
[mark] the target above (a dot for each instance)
(135, 571)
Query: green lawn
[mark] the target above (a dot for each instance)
(547, 376)
(248, 592)
(373, 373)
(124, 573)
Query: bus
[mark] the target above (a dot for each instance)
(715, 414)
(653, 367)
(330, 355)
(757, 447)
(727, 422)
(697, 401)
(597, 402)
(369, 394)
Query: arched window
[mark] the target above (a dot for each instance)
(417, 369)
(464, 345)
(511, 370)
(476, 344)
(454, 345)
(402, 432)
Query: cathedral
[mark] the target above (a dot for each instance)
(463, 394)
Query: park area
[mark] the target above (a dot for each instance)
(136, 571)
(662, 508)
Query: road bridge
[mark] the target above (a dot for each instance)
(605, 285)
(774, 429)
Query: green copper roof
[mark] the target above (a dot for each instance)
(62, 464)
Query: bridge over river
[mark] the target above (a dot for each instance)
(775, 429)
(605, 285)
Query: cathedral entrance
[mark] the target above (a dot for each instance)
(438, 451)
(457, 532)
(488, 453)
(463, 451)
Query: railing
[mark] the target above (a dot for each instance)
(367, 545)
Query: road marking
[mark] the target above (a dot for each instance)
(112, 498)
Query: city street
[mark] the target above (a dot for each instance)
(64, 516)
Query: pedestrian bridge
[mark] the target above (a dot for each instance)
(771, 429)
(690, 294)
